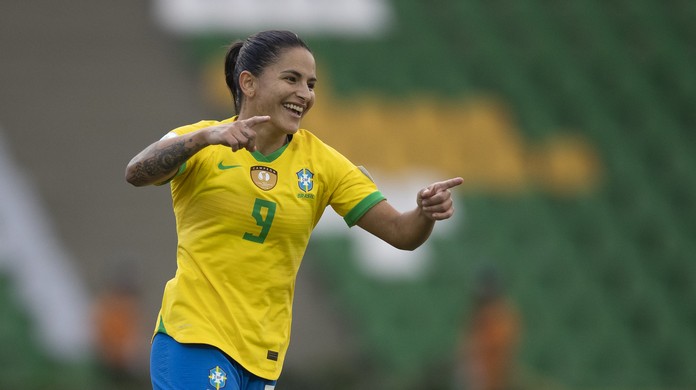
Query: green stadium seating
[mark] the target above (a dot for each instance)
(605, 281)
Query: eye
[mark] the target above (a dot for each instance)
(311, 86)
(291, 79)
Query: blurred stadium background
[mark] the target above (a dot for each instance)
(571, 122)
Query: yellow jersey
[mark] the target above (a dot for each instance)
(243, 222)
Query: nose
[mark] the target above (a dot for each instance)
(303, 92)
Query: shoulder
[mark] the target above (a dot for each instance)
(307, 136)
(333, 163)
(307, 139)
(181, 130)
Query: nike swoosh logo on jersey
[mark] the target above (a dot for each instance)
(223, 167)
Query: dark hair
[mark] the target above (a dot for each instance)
(254, 54)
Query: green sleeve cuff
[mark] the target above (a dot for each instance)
(361, 208)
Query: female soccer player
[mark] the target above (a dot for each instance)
(247, 192)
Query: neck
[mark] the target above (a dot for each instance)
(268, 137)
(268, 145)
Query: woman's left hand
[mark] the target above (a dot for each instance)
(435, 201)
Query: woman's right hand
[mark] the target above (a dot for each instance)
(237, 135)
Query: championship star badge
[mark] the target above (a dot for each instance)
(264, 177)
(305, 179)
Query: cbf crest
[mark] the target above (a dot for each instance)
(305, 179)
(218, 377)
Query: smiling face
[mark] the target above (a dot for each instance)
(284, 90)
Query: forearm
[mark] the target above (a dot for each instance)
(406, 231)
(160, 161)
(411, 230)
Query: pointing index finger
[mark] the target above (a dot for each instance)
(445, 185)
(255, 120)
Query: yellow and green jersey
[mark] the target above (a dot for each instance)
(243, 221)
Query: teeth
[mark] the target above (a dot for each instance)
(294, 107)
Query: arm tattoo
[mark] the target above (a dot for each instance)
(164, 160)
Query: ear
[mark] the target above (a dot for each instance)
(247, 83)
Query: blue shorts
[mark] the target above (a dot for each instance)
(176, 366)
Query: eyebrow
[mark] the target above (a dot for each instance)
(298, 74)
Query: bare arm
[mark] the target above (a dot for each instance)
(160, 161)
(411, 229)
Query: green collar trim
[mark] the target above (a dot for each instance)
(273, 156)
